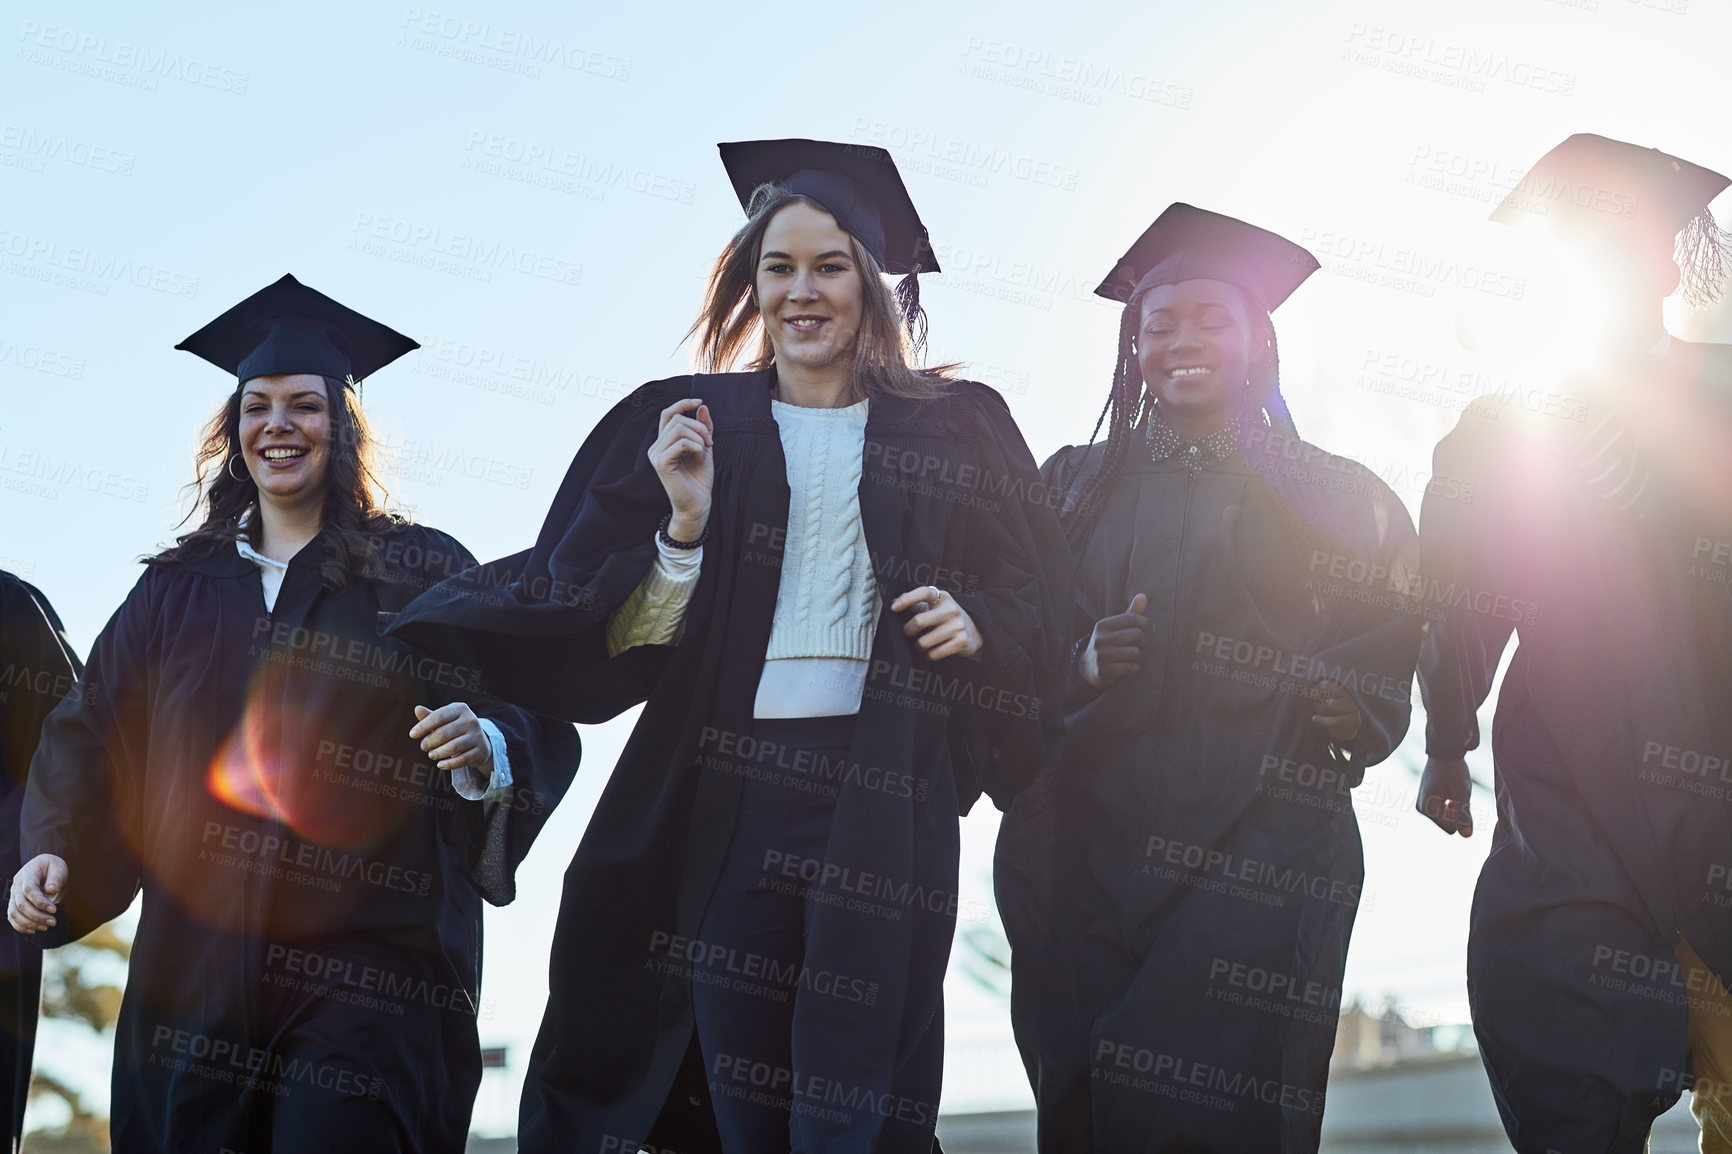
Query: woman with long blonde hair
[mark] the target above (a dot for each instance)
(825, 576)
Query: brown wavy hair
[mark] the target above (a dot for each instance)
(356, 497)
(730, 322)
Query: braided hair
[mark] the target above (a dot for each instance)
(1131, 402)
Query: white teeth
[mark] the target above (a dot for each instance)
(1191, 372)
(282, 454)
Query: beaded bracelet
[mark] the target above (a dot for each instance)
(671, 543)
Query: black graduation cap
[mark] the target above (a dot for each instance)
(1606, 187)
(857, 183)
(1189, 243)
(1592, 179)
(287, 328)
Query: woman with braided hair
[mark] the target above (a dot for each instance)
(1180, 884)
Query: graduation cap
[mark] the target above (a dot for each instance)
(1189, 243)
(859, 185)
(1597, 186)
(288, 328)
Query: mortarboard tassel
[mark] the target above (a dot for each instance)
(1704, 254)
(913, 316)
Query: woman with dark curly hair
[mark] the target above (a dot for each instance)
(826, 577)
(314, 814)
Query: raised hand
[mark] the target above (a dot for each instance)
(684, 458)
(1115, 648)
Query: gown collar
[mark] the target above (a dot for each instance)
(1221, 445)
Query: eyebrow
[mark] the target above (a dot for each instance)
(292, 396)
(1200, 304)
(835, 252)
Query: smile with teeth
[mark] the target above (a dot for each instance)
(805, 324)
(282, 454)
(1189, 371)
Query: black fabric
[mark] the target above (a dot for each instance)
(1596, 183)
(38, 668)
(857, 183)
(287, 328)
(1614, 799)
(1189, 243)
(1195, 840)
(749, 974)
(311, 926)
(949, 496)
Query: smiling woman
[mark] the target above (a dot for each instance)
(1198, 823)
(754, 932)
(282, 783)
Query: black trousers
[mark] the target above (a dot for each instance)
(749, 973)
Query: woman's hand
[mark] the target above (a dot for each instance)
(1337, 712)
(35, 890)
(452, 738)
(942, 627)
(1115, 647)
(684, 458)
(1445, 790)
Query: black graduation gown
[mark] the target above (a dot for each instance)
(37, 669)
(307, 958)
(1179, 888)
(1612, 738)
(949, 496)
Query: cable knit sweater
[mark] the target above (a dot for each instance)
(827, 604)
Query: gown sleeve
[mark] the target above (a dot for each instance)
(1021, 609)
(1386, 635)
(494, 834)
(81, 802)
(40, 670)
(535, 623)
(1462, 647)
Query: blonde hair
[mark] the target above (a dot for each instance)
(730, 322)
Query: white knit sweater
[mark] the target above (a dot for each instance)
(827, 605)
(827, 602)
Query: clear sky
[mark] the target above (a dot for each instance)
(532, 191)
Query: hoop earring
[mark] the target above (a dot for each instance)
(230, 469)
